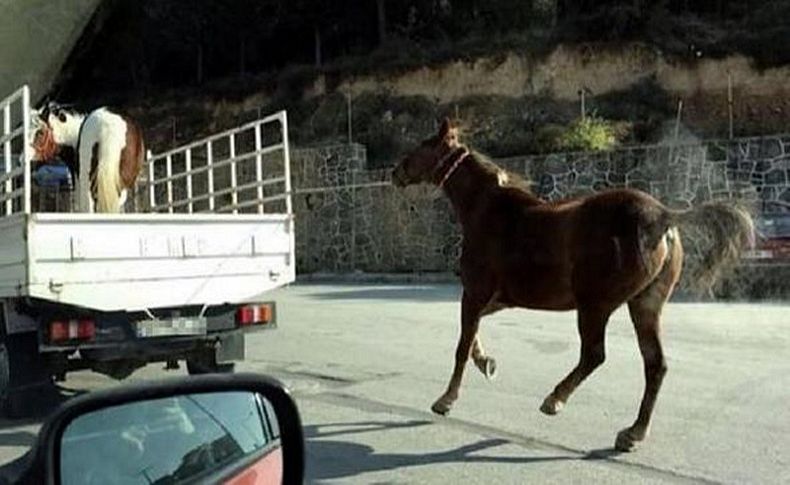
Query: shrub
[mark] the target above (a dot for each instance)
(590, 133)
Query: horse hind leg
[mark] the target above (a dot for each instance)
(645, 310)
(592, 328)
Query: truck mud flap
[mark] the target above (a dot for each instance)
(230, 346)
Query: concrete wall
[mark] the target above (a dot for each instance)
(36, 37)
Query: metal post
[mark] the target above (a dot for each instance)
(26, 155)
(234, 195)
(151, 181)
(353, 220)
(677, 119)
(348, 107)
(188, 167)
(259, 166)
(210, 175)
(287, 173)
(729, 103)
(677, 131)
(9, 186)
(169, 174)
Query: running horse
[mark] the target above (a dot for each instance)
(591, 254)
(106, 144)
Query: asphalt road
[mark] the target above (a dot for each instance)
(366, 362)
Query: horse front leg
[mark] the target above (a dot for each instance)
(485, 363)
(471, 310)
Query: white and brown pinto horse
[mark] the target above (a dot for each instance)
(107, 145)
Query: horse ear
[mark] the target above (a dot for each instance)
(445, 129)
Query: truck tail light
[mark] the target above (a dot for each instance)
(254, 315)
(82, 329)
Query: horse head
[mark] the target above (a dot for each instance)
(425, 163)
(53, 125)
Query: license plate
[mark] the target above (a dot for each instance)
(758, 254)
(172, 327)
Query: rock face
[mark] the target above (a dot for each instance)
(600, 69)
(37, 37)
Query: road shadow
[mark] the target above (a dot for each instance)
(344, 429)
(33, 405)
(438, 293)
(334, 459)
(602, 454)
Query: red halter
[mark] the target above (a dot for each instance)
(453, 167)
(44, 144)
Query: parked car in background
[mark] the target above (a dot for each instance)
(772, 242)
(765, 271)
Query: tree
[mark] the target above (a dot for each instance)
(381, 17)
(319, 17)
(184, 25)
(247, 22)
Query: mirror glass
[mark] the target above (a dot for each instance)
(206, 436)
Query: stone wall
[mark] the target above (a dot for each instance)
(350, 219)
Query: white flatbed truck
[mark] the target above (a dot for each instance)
(180, 278)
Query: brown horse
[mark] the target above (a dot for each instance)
(591, 253)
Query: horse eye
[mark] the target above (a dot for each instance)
(62, 117)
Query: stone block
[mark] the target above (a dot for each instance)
(776, 177)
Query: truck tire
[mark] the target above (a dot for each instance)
(5, 379)
(206, 363)
(26, 388)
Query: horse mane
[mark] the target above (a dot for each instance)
(505, 178)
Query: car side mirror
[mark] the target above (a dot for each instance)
(237, 428)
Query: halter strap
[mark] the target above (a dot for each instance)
(453, 167)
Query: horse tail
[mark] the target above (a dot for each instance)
(109, 133)
(107, 196)
(104, 179)
(728, 228)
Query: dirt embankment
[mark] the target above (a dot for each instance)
(631, 83)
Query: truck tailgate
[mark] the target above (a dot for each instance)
(138, 261)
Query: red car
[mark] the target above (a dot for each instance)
(234, 429)
(772, 241)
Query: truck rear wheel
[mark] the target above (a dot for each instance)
(5, 378)
(26, 388)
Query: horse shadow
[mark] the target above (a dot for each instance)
(331, 459)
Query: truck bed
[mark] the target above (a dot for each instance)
(139, 261)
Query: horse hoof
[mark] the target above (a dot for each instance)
(551, 405)
(626, 440)
(441, 408)
(488, 367)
